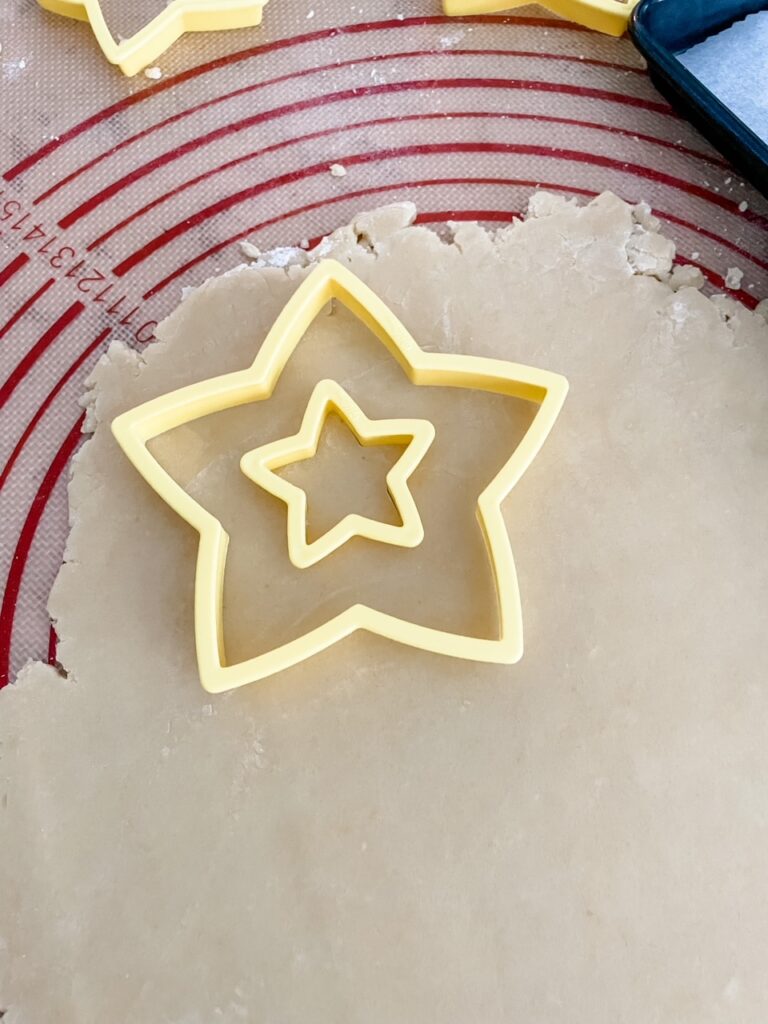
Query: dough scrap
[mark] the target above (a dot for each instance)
(381, 835)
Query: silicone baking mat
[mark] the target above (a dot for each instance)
(115, 193)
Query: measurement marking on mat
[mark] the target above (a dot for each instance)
(98, 286)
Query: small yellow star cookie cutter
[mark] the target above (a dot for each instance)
(259, 465)
(179, 16)
(608, 16)
(329, 280)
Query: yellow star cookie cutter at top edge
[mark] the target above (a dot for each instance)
(178, 17)
(134, 430)
(608, 16)
(328, 396)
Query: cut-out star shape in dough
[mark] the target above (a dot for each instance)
(330, 280)
(176, 18)
(261, 463)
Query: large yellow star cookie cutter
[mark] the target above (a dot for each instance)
(608, 16)
(261, 463)
(177, 17)
(330, 280)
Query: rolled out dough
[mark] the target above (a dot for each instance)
(383, 836)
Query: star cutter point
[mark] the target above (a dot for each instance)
(134, 430)
(151, 41)
(328, 396)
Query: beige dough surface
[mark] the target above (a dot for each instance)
(380, 835)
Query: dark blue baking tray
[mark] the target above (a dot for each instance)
(661, 29)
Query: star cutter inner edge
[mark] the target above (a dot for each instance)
(179, 16)
(134, 430)
(327, 397)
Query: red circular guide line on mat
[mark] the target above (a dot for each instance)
(13, 268)
(35, 353)
(170, 234)
(38, 505)
(255, 51)
(53, 644)
(24, 544)
(44, 405)
(356, 93)
(25, 307)
(322, 69)
(394, 119)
